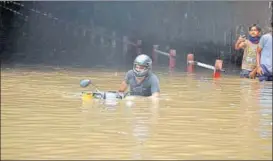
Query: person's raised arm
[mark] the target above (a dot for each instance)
(240, 43)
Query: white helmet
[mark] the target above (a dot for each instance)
(142, 60)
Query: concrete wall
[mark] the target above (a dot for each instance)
(201, 27)
(181, 19)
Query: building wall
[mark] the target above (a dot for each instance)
(181, 19)
(201, 27)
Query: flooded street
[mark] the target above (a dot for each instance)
(44, 117)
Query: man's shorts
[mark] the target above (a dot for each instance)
(266, 76)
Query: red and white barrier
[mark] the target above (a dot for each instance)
(171, 55)
(190, 66)
(217, 68)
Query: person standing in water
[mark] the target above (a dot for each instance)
(264, 57)
(249, 45)
(141, 80)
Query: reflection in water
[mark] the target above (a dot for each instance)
(44, 117)
(142, 124)
(261, 94)
(265, 101)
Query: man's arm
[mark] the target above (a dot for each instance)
(123, 87)
(124, 84)
(253, 73)
(259, 50)
(258, 55)
(155, 89)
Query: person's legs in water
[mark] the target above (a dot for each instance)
(266, 76)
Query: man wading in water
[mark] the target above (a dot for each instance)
(264, 57)
(141, 80)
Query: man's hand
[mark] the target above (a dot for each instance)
(121, 95)
(123, 87)
(155, 95)
(252, 75)
(260, 71)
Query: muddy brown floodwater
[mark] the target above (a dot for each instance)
(44, 117)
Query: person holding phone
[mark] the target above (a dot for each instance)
(249, 45)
